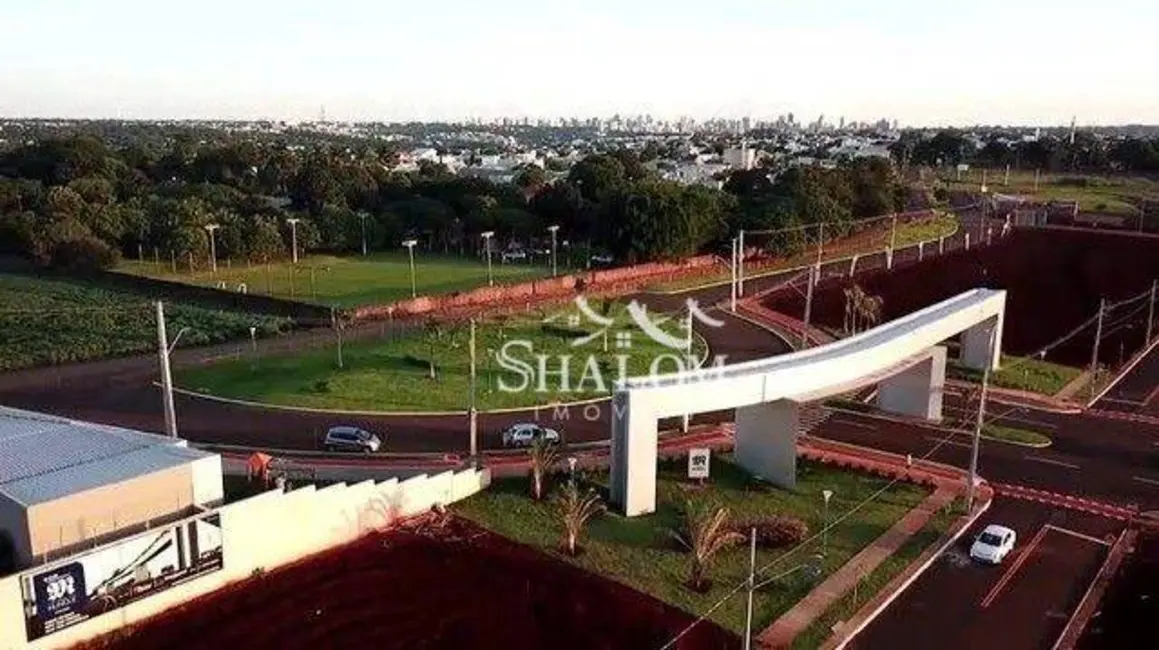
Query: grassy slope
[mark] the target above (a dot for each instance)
(59, 320)
(1100, 194)
(639, 552)
(348, 281)
(1021, 373)
(393, 374)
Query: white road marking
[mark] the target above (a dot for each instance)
(1143, 479)
(1051, 461)
(1075, 533)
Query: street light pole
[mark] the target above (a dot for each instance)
(827, 494)
(1150, 312)
(813, 273)
(1095, 348)
(980, 421)
(166, 377)
(553, 230)
(473, 412)
(892, 242)
(752, 587)
(487, 249)
(210, 229)
(740, 265)
(691, 363)
(254, 345)
(293, 221)
(410, 245)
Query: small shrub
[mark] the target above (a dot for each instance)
(322, 386)
(774, 532)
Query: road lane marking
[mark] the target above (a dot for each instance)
(1075, 533)
(1151, 397)
(1051, 461)
(1143, 479)
(1013, 568)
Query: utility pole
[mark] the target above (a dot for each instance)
(166, 377)
(892, 242)
(211, 228)
(473, 411)
(734, 265)
(1151, 312)
(980, 422)
(809, 305)
(362, 218)
(740, 266)
(293, 221)
(487, 250)
(336, 323)
(1095, 347)
(410, 245)
(820, 241)
(554, 230)
(752, 587)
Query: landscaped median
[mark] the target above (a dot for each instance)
(522, 361)
(643, 553)
(1021, 373)
(873, 240)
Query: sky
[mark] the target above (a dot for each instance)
(921, 62)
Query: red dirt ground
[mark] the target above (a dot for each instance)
(1055, 278)
(460, 588)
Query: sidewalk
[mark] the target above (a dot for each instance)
(786, 628)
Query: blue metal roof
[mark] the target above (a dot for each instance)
(44, 457)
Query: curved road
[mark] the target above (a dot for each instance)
(122, 391)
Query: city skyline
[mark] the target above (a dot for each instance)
(450, 60)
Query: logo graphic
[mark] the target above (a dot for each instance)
(639, 315)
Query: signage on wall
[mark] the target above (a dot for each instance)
(120, 573)
(698, 463)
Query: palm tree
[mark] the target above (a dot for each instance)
(704, 534)
(575, 509)
(855, 303)
(847, 324)
(873, 309)
(543, 458)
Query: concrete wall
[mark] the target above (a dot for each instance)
(263, 532)
(66, 524)
(207, 483)
(14, 522)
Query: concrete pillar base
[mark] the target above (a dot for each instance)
(916, 391)
(633, 459)
(975, 350)
(766, 441)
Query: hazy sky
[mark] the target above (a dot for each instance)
(920, 61)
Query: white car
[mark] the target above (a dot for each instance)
(993, 544)
(524, 435)
(513, 256)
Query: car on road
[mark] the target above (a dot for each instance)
(602, 259)
(514, 255)
(993, 544)
(346, 438)
(525, 435)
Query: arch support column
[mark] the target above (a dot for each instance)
(918, 390)
(766, 441)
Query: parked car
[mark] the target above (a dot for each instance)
(602, 259)
(516, 255)
(525, 434)
(993, 544)
(351, 439)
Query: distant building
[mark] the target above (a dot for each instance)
(741, 157)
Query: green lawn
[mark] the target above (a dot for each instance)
(870, 585)
(639, 552)
(1022, 373)
(394, 374)
(345, 281)
(57, 319)
(1015, 435)
(1111, 194)
(869, 241)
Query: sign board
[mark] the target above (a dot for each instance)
(698, 463)
(963, 167)
(110, 577)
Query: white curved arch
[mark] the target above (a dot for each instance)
(904, 354)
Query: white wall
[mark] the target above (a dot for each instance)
(263, 532)
(207, 483)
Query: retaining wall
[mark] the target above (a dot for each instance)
(261, 533)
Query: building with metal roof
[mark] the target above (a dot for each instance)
(66, 484)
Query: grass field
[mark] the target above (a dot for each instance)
(640, 553)
(870, 241)
(59, 320)
(1094, 193)
(394, 373)
(870, 585)
(1022, 373)
(346, 281)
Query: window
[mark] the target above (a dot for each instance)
(990, 539)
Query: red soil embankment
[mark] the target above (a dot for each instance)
(1054, 278)
(460, 588)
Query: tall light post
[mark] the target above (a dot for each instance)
(827, 494)
(553, 230)
(254, 345)
(473, 411)
(362, 218)
(980, 421)
(210, 228)
(293, 221)
(690, 361)
(164, 349)
(410, 245)
(487, 250)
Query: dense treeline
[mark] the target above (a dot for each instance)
(78, 203)
(1049, 153)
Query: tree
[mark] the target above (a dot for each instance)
(530, 179)
(575, 509)
(704, 534)
(543, 456)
